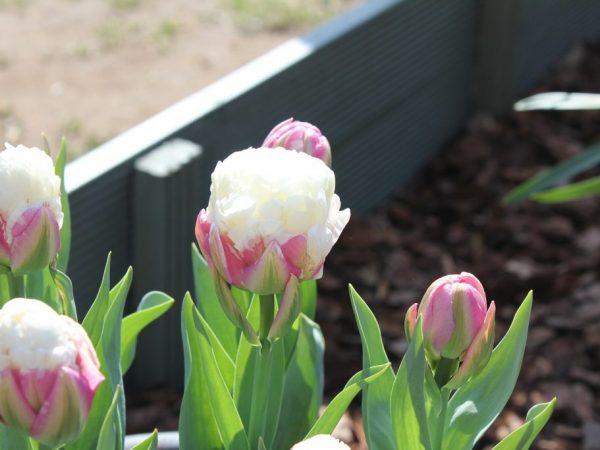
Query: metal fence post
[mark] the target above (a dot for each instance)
(165, 202)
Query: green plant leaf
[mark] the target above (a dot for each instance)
(563, 171)
(308, 298)
(476, 404)
(559, 101)
(523, 437)
(209, 306)
(12, 439)
(335, 410)
(152, 306)
(64, 287)
(574, 191)
(303, 389)
(408, 406)
(376, 397)
(94, 319)
(195, 405)
(109, 437)
(65, 231)
(150, 443)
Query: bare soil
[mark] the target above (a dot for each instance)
(90, 69)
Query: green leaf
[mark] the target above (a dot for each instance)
(150, 443)
(559, 101)
(65, 231)
(560, 172)
(152, 306)
(42, 285)
(575, 191)
(376, 397)
(476, 404)
(523, 437)
(12, 439)
(109, 436)
(261, 444)
(408, 410)
(195, 405)
(303, 389)
(94, 319)
(209, 306)
(308, 298)
(335, 410)
(64, 287)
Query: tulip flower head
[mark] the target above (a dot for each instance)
(272, 214)
(321, 442)
(30, 209)
(49, 372)
(457, 324)
(300, 136)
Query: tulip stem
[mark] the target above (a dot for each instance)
(16, 285)
(267, 312)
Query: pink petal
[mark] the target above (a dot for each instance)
(269, 274)
(4, 247)
(202, 235)
(294, 251)
(15, 410)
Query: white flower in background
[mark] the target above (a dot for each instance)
(49, 372)
(272, 213)
(321, 442)
(30, 209)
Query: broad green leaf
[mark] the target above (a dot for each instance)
(209, 306)
(64, 287)
(560, 172)
(476, 404)
(12, 439)
(335, 410)
(559, 101)
(4, 290)
(94, 319)
(152, 306)
(195, 405)
(408, 408)
(150, 443)
(65, 231)
(523, 437)
(109, 437)
(231, 429)
(308, 298)
(574, 191)
(376, 397)
(303, 389)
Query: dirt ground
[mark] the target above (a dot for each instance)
(90, 69)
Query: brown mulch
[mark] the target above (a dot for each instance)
(450, 218)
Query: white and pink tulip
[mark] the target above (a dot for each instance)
(30, 209)
(321, 442)
(49, 372)
(300, 136)
(272, 213)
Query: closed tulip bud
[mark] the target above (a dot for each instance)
(49, 372)
(300, 136)
(272, 214)
(30, 209)
(457, 324)
(321, 442)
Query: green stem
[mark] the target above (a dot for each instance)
(267, 312)
(16, 285)
(444, 370)
(12, 286)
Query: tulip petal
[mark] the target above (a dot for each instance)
(202, 235)
(4, 247)
(269, 274)
(63, 413)
(15, 410)
(479, 352)
(410, 321)
(289, 308)
(35, 240)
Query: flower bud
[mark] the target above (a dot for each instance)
(300, 136)
(456, 323)
(30, 209)
(321, 442)
(272, 214)
(49, 372)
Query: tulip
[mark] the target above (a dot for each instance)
(457, 324)
(272, 214)
(300, 136)
(321, 442)
(49, 372)
(30, 210)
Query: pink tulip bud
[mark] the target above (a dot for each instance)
(30, 209)
(300, 136)
(49, 372)
(272, 214)
(456, 322)
(321, 442)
